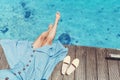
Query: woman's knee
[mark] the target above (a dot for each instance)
(49, 40)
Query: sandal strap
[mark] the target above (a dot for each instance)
(74, 66)
(66, 63)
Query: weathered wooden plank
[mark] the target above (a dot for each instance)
(56, 75)
(102, 64)
(3, 61)
(50, 78)
(113, 67)
(80, 71)
(72, 55)
(91, 68)
(1, 52)
(93, 65)
(118, 51)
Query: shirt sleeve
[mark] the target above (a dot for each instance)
(56, 55)
(13, 50)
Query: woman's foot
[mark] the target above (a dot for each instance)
(58, 15)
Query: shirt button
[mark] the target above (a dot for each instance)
(27, 65)
(31, 55)
(19, 72)
(29, 60)
(7, 78)
(23, 69)
(14, 73)
(33, 50)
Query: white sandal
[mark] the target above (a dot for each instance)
(66, 63)
(73, 66)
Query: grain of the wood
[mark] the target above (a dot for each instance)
(113, 67)
(50, 78)
(1, 52)
(93, 65)
(72, 55)
(80, 71)
(102, 64)
(3, 61)
(56, 75)
(118, 51)
(91, 68)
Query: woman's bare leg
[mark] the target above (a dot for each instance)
(38, 42)
(52, 32)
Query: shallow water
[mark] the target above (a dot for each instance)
(87, 22)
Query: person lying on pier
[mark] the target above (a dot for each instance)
(33, 60)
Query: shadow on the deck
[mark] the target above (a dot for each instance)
(93, 65)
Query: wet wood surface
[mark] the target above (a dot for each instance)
(93, 64)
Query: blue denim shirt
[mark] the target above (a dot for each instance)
(27, 63)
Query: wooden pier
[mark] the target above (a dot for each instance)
(93, 65)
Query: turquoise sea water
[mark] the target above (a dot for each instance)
(83, 22)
